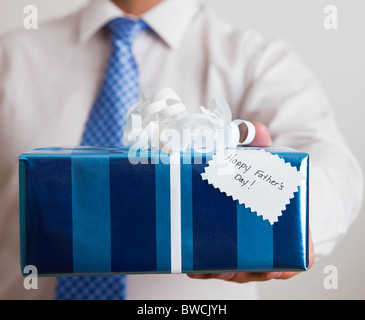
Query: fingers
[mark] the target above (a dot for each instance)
(241, 277)
(312, 255)
(262, 137)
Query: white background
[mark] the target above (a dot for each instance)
(337, 57)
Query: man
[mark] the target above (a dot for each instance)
(50, 78)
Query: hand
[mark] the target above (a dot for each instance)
(262, 139)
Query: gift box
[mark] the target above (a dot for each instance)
(102, 211)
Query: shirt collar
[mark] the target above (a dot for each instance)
(169, 19)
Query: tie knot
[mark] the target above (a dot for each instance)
(126, 29)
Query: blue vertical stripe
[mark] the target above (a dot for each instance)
(49, 215)
(291, 231)
(91, 213)
(214, 226)
(290, 249)
(22, 210)
(163, 228)
(254, 241)
(186, 214)
(133, 215)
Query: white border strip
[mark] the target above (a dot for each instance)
(175, 196)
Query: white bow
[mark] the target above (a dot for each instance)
(165, 123)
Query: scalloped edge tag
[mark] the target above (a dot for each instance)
(261, 181)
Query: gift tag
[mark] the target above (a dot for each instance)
(258, 179)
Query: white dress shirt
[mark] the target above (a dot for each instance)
(49, 79)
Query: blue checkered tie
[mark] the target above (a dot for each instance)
(120, 91)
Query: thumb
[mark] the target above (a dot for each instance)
(262, 136)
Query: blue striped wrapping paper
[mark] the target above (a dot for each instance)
(90, 211)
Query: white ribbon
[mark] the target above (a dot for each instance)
(164, 122)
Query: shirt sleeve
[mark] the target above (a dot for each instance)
(2, 116)
(5, 124)
(284, 94)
